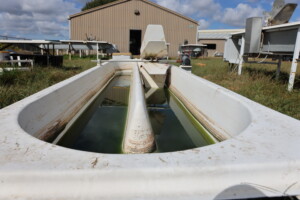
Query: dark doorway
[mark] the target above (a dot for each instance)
(135, 42)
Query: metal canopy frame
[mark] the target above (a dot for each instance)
(284, 47)
(60, 44)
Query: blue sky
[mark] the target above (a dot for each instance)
(47, 19)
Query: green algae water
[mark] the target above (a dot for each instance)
(101, 127)
(173, 125)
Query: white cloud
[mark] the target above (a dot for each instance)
(292, 1)
(44, 19)
(271, 1)
(48, 18)
(175, 5)
(212, 10)
(190, 8)
(203, 24)
(237, 16)
(206, 8)
(83, 1)
(11, 7)
(16, 23)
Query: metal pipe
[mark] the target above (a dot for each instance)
(257, 62)
(16, 61)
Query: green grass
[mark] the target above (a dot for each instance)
(257, 82)
(16, 85)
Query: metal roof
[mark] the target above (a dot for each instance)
(217, 34)
(213, 35)
(56, 42)
(77, 46)
(220, 30)
(83, 42)
(286, 26)
(282, 26)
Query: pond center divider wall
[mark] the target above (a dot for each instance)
(139, 136)
(260, 159)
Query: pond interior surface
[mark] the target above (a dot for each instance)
(101, 126)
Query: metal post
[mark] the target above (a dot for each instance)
(168, 49)
(97, 51)
(31, 63)
(294, 63)
(278, 67)
(230, 67)
(99, 62)
(80, 54)
(70, 56)
(48, 56)
(11, 58)
(19, 63)
(241, 56)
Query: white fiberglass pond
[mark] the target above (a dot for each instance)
(256, 150)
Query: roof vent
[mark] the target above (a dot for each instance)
(137, 12)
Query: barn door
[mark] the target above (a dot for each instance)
(135, 42)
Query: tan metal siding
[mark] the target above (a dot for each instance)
(220, 45)
(112, 24)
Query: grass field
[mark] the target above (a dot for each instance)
(16, 85)
(257, 82)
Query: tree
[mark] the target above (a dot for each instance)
(95, 3)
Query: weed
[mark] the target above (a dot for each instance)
(257, 82)
(16, 85)
(9, 77)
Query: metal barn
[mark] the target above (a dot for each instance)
(215, 39)
(124, 22)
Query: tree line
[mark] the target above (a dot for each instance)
(95, 3)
